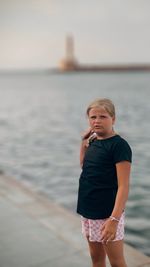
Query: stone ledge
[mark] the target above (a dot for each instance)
(54, 217)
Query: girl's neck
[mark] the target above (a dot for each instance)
(100, 137)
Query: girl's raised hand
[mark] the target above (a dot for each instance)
(86, 134)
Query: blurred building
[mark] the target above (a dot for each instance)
(69, 63)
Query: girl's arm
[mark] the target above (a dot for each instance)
(123, 174)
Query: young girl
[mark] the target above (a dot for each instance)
(105, 158)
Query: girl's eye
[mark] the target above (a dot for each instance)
(103, 117)
(93, 117)
(100, 117)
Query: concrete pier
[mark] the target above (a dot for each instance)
(37, 233)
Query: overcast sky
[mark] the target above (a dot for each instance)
(32, 32)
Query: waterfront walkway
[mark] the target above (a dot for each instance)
(37, 233)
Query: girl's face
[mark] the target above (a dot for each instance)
(101, 122)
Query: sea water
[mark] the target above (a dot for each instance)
(42, 116)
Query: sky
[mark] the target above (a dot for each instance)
(33, 32)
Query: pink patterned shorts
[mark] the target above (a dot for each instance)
(92, 229)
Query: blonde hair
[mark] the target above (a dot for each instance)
(105, 103)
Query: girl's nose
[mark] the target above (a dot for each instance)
(97, 119)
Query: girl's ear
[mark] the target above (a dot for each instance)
(113, 120)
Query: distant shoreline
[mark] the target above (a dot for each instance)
(104, 68)
(81, 68)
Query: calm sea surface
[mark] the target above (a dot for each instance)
(41, 119)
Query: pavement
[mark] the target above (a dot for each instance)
(35, 232)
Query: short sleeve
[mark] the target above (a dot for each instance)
(122, 152)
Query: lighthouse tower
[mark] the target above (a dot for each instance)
(69, 63)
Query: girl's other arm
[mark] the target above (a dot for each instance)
(82, 151)
(84, 144)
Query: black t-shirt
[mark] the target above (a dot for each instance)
(98, 180)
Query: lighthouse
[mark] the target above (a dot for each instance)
(69, 63)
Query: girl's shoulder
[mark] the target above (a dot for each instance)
(112, 143)
(121, 149)
(120, 141)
